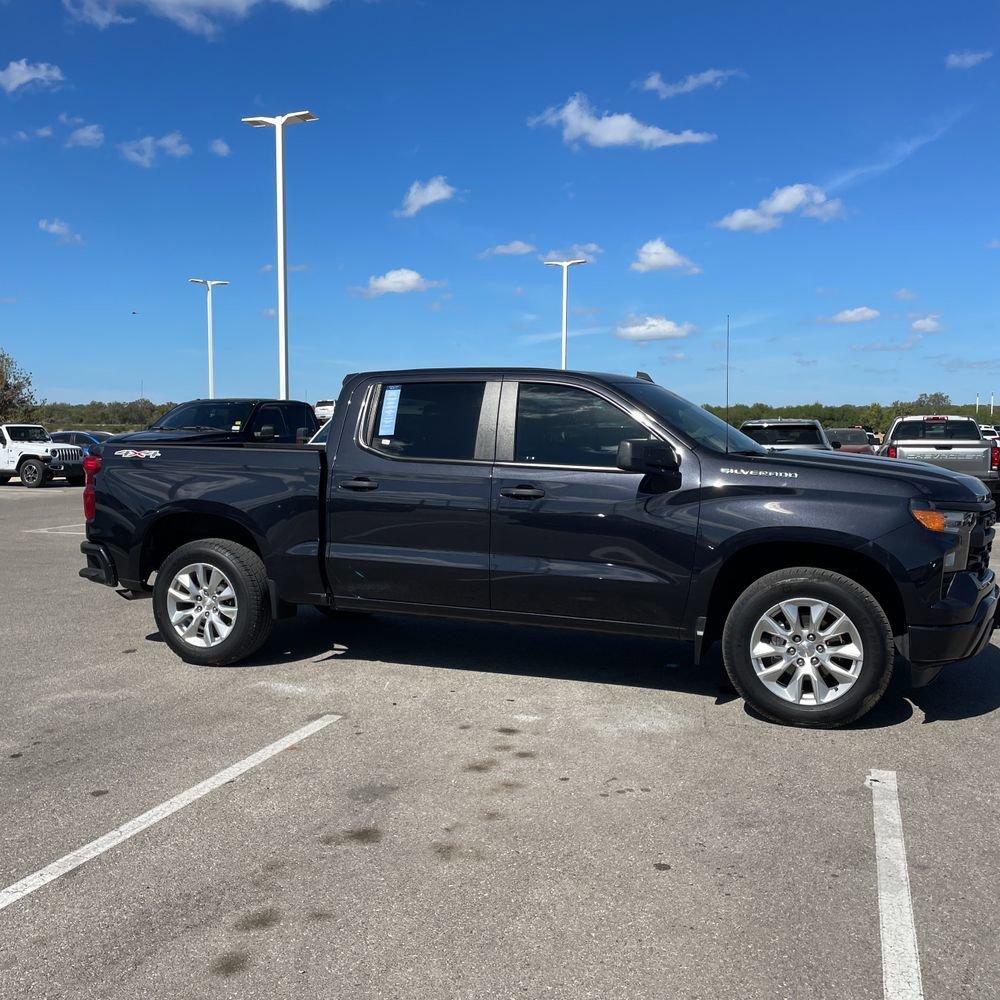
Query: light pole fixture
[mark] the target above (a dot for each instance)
(565, 265)
(278, 123)
(209, 285)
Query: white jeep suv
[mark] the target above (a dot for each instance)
(26, 450)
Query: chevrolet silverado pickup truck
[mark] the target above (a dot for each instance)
(955, 443)
(567, 499)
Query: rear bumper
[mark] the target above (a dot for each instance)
(100, 566)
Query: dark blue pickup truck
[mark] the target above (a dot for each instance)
(557, 498)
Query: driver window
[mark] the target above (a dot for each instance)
(563, 425)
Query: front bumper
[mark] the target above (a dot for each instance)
(74, 469)
(928, 646)
(100, 566)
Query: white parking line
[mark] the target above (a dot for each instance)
(59, 529)
(900, 959)
(78, 857)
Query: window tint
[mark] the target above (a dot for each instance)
(561, 425)
(783, 434)
(936, 430)
(428, 419)
(847, 435)
(204, 415)
(272, 416)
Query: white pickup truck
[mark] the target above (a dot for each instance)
(955, 443)
(26, 450)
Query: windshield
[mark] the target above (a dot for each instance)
(207, 415)
(936, 430)
(785, 434)
(28, 434)
(695, 422)
(100, 435)
(847, 435)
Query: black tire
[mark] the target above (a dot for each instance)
(246, 573)
(76, 480)
(850, 597)
(33, 474)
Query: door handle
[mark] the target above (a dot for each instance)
(522, 492)
(360, 483)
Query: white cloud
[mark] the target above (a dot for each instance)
(966, 60)
(270, 312)
(859, 314)
(580, 122)
(694, 81)
(993, 245)
(674, 356)
(397, 282)
(21, 73)
(655, 255)
(143, 152)
(220, 147)
(199, 16)
(904, 294)
(87, 137)
(56, 227)
(44, 132)
(512, 249)
(577, 251)
(645, 328)
(422, 194)
(65, 119)
(908, 344)
(556, 335)
(931, 323)
(807, 199)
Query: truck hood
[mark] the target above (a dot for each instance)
(926, 481)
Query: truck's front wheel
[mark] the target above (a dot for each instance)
(809, 647)
(32, 473)
(211, 602)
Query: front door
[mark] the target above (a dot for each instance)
(573, 535)
(409, 502)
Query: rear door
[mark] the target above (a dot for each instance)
(409, 507)
(573, 535)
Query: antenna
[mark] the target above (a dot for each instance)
(727, 383)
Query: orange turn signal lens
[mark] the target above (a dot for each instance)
(933, 520)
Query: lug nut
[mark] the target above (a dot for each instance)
(814, 660)
(796, 638)
(791, 650)
(800, 662)
(821, 649)
(810, 637)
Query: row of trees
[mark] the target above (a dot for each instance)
(18, 402)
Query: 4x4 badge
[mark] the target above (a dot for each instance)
(132, 453)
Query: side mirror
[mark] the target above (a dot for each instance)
(266, 433)
(835, 445)
(647, 457)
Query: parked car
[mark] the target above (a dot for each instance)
(26, 450)
(530, 496)
(84, 440)
(852, 440)
(988, 431)
(324, 409)
(785, 433)
(949, 442)
(237, 421)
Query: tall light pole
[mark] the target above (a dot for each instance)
(209, 285)
(565, 265)
(278, 123)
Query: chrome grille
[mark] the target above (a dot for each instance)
(70, 455)
(981, 542)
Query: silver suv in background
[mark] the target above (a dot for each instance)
(954, 443)
(788, 433)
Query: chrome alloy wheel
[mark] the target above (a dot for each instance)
(806, 651)
(201, 603)
(30, 475)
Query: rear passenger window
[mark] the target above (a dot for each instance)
(428, 420)
(562, 425)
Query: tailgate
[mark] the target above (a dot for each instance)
(972, 457)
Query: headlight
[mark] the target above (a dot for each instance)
(944, 520)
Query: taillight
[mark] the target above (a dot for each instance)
(995, 457)
(891, 451)
(91, 466)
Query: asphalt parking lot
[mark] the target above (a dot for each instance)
(473, 811)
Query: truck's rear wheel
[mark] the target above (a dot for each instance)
(809, 647)
(32, 473)
(211, 602)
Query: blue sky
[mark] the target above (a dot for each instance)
(828, 174)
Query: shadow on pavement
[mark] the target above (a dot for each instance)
(961, 691)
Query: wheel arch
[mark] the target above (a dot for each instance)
(754, 561)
